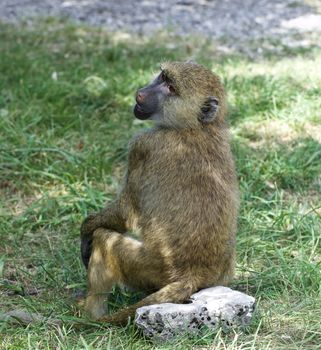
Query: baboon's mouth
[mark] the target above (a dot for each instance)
(140, 113)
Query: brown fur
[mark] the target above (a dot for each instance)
(181, 194)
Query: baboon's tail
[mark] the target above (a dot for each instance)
(175, 292)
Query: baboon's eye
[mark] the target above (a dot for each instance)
(163, 76)
(171, 88)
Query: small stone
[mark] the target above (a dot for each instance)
(19, 316)
(211, 307)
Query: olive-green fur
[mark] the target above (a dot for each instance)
(181, 194)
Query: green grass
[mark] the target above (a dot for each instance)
(63, 147)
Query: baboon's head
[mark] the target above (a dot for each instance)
(184, 94)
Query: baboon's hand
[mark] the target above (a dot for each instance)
(86, 232)
(85, 247)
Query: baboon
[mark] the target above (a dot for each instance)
(180, 194)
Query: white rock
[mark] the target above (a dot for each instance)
(211, 307)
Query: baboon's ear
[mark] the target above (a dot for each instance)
(209, 110)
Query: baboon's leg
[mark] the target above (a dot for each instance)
(117, 258)
(175, 292)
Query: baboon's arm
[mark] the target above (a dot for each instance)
(110, 217)
(119, 215)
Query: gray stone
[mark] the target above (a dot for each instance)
(211, 308)
(19, 316)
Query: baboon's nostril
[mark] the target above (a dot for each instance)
(140, 96)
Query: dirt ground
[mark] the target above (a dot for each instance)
(235, 22)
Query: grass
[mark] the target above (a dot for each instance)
(65, 118)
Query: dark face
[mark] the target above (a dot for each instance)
(151, 98)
